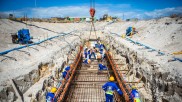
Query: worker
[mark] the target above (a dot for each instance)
(64, 73)
(88, 53)
(109, 88)
(135, 95)
(87, 61)
(101, 47)
(66, 70)
(50, 95)
(93, 51)
(102, 67)
(102, 54)
(85, 52)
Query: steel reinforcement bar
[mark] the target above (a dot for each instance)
(122, 84)
(67, 81)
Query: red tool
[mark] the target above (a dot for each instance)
(92, 12)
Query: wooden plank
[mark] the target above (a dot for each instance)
(20, 98)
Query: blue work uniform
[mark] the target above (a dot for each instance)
(85, 53)
(64, 74)
(67, 68)
(88, 54)
(85, 61)
(109, 88)
(102, 67)
(93, 53)
(101, 46)
(135, 96)
(50, 97)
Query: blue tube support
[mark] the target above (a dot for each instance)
(138, 43)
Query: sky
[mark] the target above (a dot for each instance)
(142, 9)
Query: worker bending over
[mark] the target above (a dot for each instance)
(87, 61)
(50, 95)
(109, 88)
(66, 70)
(93, 51)
(102, 67)
(85, 52)
(135, 95)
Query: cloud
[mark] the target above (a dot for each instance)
(83, 11)
(3, 15)
(163, 12)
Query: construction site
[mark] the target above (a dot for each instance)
(84, 59)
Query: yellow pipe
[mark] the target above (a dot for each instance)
(177, 53)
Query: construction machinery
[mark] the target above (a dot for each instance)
(130, 31)
(22, 37)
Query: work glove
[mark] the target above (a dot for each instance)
(105, 89)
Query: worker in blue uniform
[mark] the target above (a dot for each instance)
(93, 51)
(50, 95)
(87, 61)
(64, 73)
(88, 53)
(67, 68)
(101, 47)
(135, 95)
(109, 88)
(85, 52)
(102, 67)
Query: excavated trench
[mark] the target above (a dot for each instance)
(157, 85)
(153, 85)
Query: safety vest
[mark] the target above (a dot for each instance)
(136, 96)
(137, 100)
(109, 90)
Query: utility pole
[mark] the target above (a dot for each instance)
(35, 3)
(123, 16)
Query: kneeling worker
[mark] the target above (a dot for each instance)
(87, 61)
(102, 67)
(50, 95)
(135, 95)
(109, 88)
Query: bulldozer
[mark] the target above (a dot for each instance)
(22, 37)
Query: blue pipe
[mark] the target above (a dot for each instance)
(177, 59)
(37, 43)
(136, 42)
(147, 47)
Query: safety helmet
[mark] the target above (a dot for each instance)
(71, 65)
(53, 89)
(89, 61)
(110, 53)
(133, 87)
(111, 78)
